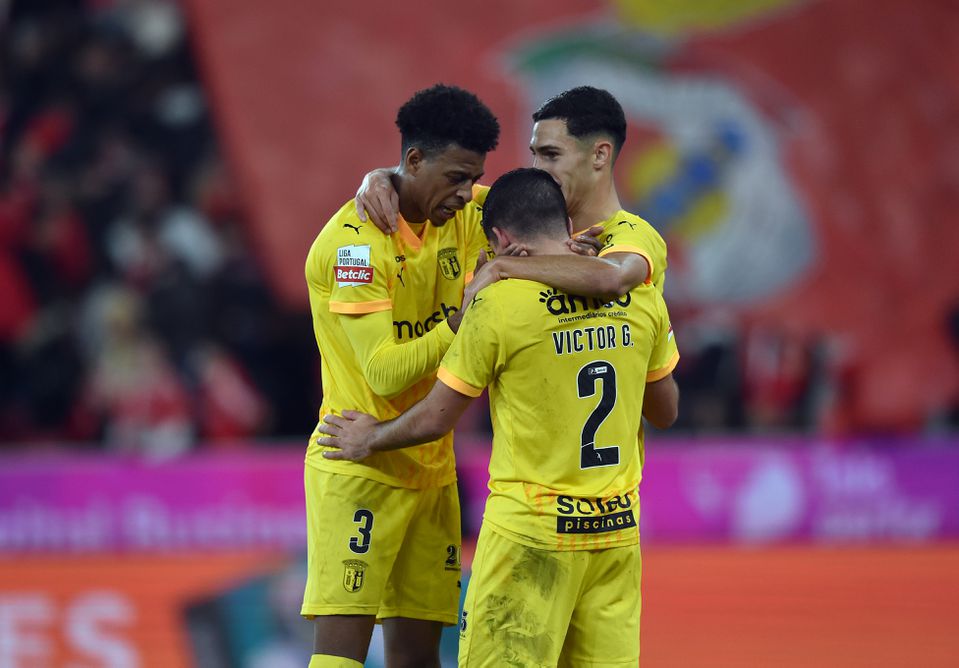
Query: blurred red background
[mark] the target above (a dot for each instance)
(166, 164)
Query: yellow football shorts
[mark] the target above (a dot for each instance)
(378, 550)
(532, 607)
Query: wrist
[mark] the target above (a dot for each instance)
(375, 440)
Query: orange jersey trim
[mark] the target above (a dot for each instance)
(408, 235)
(458, 385)
(662, 372)
(354, 308)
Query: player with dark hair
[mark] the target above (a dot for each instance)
(556, 575)
(577, 136)
(442, 115)
(529, 200)
(589, 113)
(384, 534)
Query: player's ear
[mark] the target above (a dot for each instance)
(502, 238)
(602, 153)
(413, 159)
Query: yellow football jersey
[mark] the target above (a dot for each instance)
(567, 377)
(354, 269)
(625, 232)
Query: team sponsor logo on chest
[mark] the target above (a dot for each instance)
(408, 329)
(353, 266)
(354, 574)
(594, 515)
(449, 263)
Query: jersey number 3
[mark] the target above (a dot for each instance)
(364, 519)
(586, 379)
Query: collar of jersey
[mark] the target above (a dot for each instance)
(602, 222)
(408, 235)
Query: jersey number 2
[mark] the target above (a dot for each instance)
(586, 379)
(361, 544)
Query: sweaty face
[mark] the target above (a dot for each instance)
(566, 158)
(444, 182)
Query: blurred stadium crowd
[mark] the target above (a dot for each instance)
(135, 314)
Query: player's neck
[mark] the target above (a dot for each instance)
(408, 209)
(547, 246)
(600, 204)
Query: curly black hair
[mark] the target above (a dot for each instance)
(526, 201)
(442, 115)
(588, 112)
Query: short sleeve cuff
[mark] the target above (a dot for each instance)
(456, 384)
(663, 371)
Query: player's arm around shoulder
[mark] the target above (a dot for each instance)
(346, 226)
(630, 270)
(603, 278)
(628, 235)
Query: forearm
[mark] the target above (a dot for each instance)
(431, 418)
(575, 274)
(415, 426)
(390, 367)
(661, 403)
(377, 197)
(355, 436)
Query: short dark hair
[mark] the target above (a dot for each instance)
(442, 115)
(588, 112)
(527, 202)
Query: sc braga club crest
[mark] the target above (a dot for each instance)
(449, 263)
(353, 575)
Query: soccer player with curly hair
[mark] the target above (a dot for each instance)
(384, 534)
(577, 137)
